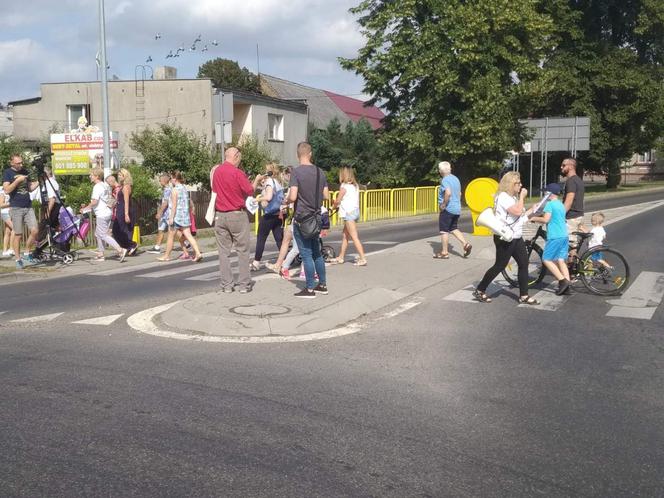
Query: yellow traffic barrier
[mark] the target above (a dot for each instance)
(136, 237)
(479, 196)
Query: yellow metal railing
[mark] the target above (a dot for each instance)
(387, 203)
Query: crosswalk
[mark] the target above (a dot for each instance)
(49, 317)
(640, 301)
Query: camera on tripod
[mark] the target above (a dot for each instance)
(39, 163)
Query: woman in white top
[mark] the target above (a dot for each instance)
(6, 220)
(99, 203)
(348, 202)
(510, 208)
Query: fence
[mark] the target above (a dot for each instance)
(374, 205)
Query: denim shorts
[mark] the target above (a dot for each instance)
(556, 249)
(5, 217)
(353, 215)
(163, 225)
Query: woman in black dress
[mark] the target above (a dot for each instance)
(123, 227)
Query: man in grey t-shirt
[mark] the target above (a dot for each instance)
(573, 201)
(308, 187)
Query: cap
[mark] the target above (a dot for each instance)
(554, 188)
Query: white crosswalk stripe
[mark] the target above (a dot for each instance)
(641, 298)
(102, 320)
(38, 318)
(176, 271)
(465, 295)
(548, 299)
(122, 269)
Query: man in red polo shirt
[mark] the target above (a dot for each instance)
(231, 223)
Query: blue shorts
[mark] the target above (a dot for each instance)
(596, 256)
(556, 249)
(163, 225)
(353, 215)
(447, 222)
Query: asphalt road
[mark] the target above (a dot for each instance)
(444, 400)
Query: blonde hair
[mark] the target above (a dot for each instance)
(126, 177)
(597, 218)
(347, 175)
(276, 171)
(507, 181)
(98, 172)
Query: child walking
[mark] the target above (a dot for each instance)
(556, 248)
(597, 239)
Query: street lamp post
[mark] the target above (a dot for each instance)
(106, 128)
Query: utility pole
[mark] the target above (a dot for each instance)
(106, 127)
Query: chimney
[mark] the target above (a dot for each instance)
(165, 73)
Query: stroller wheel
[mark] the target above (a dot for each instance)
(68, 258)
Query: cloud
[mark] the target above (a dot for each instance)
(299, 40)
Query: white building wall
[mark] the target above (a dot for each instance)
(294, 131)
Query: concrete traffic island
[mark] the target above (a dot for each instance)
(392, 276)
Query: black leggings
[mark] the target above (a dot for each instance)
(268, 223)
(504, 251)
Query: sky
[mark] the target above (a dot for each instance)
(54, 41)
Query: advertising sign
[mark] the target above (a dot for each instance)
(77, 153)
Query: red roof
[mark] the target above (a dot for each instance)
(356, 110)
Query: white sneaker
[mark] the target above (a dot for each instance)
(7, 254)
(154, 250)
(255, 266)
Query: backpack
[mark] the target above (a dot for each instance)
(274, 205)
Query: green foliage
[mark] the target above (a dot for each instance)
(255, 154)
(145, 186)
(450, 76)
(228, 75)
(607, 65)
(8, 147)
(77, 193)
(355, 145)
(170, 148)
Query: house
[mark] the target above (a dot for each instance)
(323, 106)
(6, 121)
(134, 105)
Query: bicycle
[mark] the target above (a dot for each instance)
(603, 270)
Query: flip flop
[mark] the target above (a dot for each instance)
(360, 262)
(440, 255)
(163, 259)
(198, 258)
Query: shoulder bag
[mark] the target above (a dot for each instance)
(210, 212)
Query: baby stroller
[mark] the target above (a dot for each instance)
(57, 244)
(326, 251)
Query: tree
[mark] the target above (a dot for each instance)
(255, 154)
(227, 74)
(8, 147)
(170, 148)
(450, 76)
(607, 64)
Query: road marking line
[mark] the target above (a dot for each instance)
(378, 242)
(40, 318)
(465, 295)
(639, 208)
(102, 320)
(175, 271)
(548, 299)
(644, 295)
(143, 323)
(143, 266)
(627, 312)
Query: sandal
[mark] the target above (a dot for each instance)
(163, 259)
(198, 258)
(481, 296)
(440, 255)
(528, 300)
(360, 262)
(337, 261)
(466, 250)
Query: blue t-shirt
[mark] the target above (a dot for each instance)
(557, 227)
(20, 196)
(454, 203)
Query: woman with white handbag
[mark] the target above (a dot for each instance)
(510, 208)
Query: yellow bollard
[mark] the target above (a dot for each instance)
(136, 237)
(479, 196)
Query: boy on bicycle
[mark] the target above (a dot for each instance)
(556, 248)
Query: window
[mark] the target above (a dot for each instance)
(74, 112)
(275, 123)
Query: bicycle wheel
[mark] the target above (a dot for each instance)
(536, 269)
(604, 271)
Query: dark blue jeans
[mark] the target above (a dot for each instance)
(312, 259)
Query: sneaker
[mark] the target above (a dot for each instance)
(321, 289)
(19, 264)
(285, 273)
(227, 290)
(123, 255)
(185, 256)
(245, 290)
(272, 267)
(563, 287)
(99, 258)
(11, 252)
(7, 254)
(132, 251)
(255, 265)
(154, 250)
(29, 259)
(306, 294)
